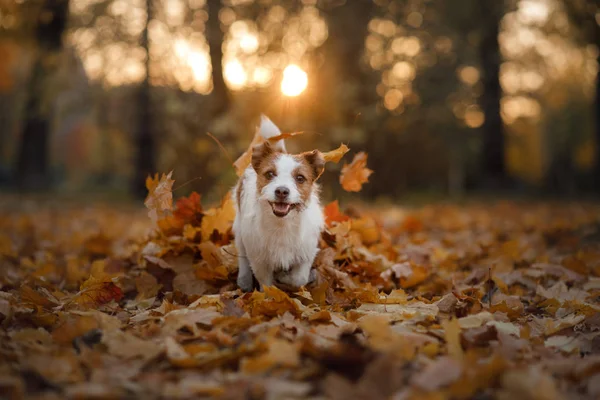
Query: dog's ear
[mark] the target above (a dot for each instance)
(316, 161)
(260, 152)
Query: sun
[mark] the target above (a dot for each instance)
(294, 80)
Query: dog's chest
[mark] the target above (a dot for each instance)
(278, 247)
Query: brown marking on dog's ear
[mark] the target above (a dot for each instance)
(316, 161)
(260, 152)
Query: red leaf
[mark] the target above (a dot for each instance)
(189, 209)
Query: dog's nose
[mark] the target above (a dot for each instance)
(282, 193)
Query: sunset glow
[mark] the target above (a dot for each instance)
(294, 81)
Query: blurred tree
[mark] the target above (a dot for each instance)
(489, 15)
(145, 141)
(215, 36)
(32, 170)
(585, 18)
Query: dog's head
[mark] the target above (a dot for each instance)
(285, 181)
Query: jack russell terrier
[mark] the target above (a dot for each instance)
(279, 217)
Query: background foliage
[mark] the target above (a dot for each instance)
(444, 96)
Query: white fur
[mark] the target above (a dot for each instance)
(284, 165)
(267, 244)
(268, 130)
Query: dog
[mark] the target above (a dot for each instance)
(279, 218)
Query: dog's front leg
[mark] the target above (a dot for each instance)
(245, 278)
(264, 276)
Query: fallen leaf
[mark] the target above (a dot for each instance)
(332, 213)
(438, 374)
(452, 336)
(160, 196)
(218, 219)
(189, 209)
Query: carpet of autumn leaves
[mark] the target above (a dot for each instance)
(477, 301)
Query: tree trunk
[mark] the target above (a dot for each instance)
(344, 48)
(32, 170)
(493, 165)
(215, 36)
(597, 129)
(146, 147)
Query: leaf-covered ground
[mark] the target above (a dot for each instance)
(480, 301)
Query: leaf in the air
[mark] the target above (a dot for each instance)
(355, 174)
(336, 155)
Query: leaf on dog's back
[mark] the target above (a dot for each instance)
(356, 173)
(336, 155)
(160, 195)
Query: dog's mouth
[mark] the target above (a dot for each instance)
(282, 209)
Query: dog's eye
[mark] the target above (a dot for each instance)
(300, 178)
(269, 175)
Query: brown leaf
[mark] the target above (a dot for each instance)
(160, 196)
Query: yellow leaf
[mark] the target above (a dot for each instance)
(218, 219)
(281, 353)
(452, 335)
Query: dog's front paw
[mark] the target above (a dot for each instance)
(246, 283)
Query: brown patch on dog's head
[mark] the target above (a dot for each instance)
(310, 169)
(316, 161)
(263, 162)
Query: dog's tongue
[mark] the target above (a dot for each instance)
(281, 208)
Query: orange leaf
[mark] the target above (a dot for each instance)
(333, 214)
(160, 196)
(244, 160)
(355, 174)
(286, 135)
(189, 209)
(336, 155)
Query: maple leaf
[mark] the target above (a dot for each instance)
(160, 196)
(188, 210)
(356, 173)
(96, 294)
(336, 155)
(333, 214)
